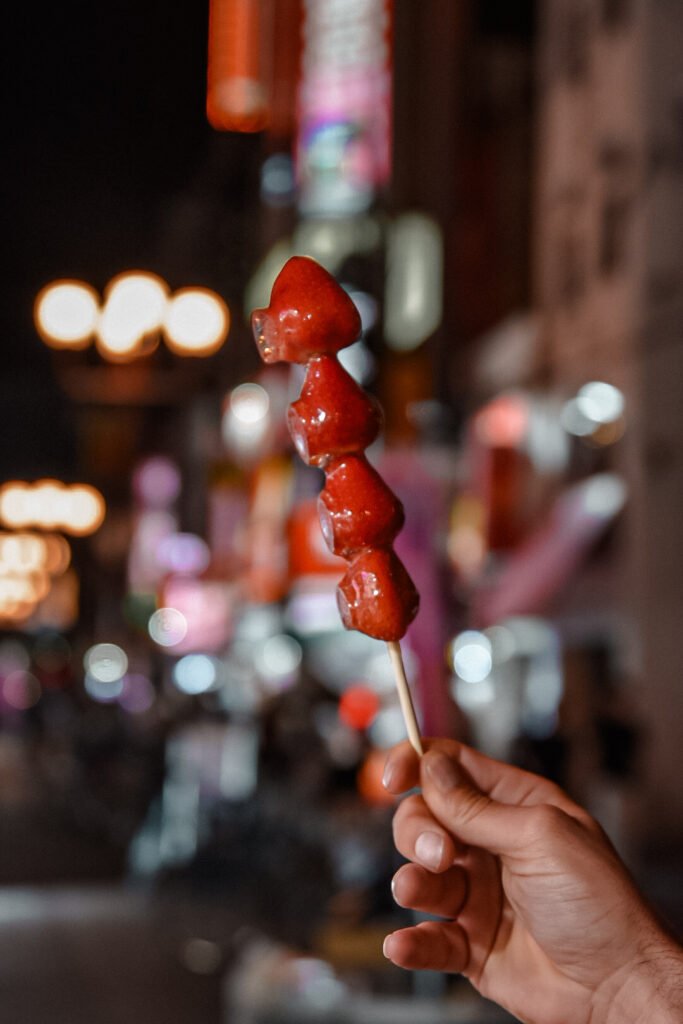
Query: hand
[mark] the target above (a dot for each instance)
(540, 913)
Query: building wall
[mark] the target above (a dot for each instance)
(608, 281)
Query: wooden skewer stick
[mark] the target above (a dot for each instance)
(407, 707)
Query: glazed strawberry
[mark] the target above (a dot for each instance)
(377, 596)
(356, 508)
(309, 314)
(333, 416)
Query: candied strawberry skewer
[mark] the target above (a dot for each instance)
(309, 319)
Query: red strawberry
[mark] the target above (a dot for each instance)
(377, 596)
(356, 508)
(333, 415)
(309, 314)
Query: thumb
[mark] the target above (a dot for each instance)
(467, 812)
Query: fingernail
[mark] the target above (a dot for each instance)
(442, 771)
(388, 774)
(385, 947)
(429, 849)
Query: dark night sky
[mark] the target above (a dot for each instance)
(110, 165)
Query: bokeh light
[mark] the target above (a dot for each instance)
(105, 691)
(277, 660)
(246, 420)
(167, 627)
(137, 693)
(134, 307)
(78, 509)
(358, 707)
(105, 663)
(157, 482)
(66, 314)
(57, 554)
(22, 553)
(21, 690)
(183, 554)
(471, 656)
(195, 674)
(595, 413)
(196, 322)
(86, 510)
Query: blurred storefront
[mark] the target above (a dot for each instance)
(183, 721)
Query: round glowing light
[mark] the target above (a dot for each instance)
(66, 313)
(137, 693)
(106, 662)
(600, 402)
(196, 322)
(604, 495)
(22, 552)
(167, 627)
(249, 404)
(103, 690)
(471, 656)
(49, 503)
(278, 184)
(246, 420)
(57, 554)
(184, 554)
(134, 307)
(85, 510)
(195, 673)
(14, 503)
(277, 661)
(358, 707)
(15, 588)
(157, 482)
(503, 422)
(21, 690)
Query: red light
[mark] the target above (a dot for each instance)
(503, 423)
(358, 707)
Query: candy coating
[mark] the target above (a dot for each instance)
(333, 416)
(377, 596)
(309, 314)
(356, 507)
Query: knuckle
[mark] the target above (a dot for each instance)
(546, 820)
(464, 805)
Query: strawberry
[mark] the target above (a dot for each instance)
(309, 314)
(333, 415)
(356, 508)
(377, 596)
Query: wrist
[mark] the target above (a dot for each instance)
(648, 990)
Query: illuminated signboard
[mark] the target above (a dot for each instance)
(344, 105)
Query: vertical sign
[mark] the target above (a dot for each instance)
(344, 105)
(237, 98)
